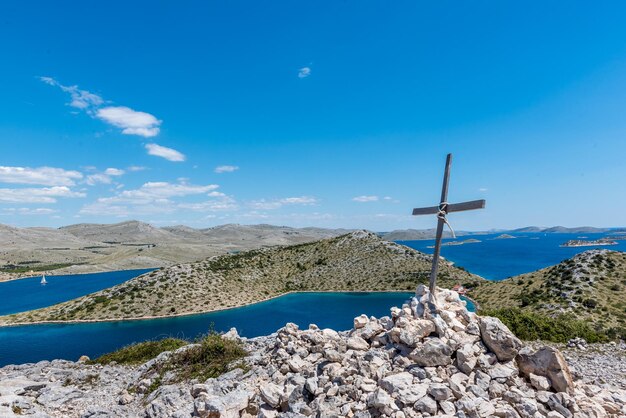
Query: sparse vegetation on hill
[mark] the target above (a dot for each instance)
(532, 326)
(140, 352)
(589, 287)
(359, 261)
(210, 356)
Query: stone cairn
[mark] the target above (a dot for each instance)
(418, 362)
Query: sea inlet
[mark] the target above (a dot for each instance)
(32, 343)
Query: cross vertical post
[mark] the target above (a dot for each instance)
(442, 211)
(440, 223)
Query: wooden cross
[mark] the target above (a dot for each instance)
(441, 211)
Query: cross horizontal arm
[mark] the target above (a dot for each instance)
(459, 207)
(426, 211)
(454, 207)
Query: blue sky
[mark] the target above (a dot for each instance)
(332, 114)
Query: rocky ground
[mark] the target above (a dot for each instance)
(417, 362)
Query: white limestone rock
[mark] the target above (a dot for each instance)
(499, 339)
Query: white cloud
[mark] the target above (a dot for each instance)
(304, 72)
(164, 152)
(37, 195)
(130, 121)
(135, 168)
(160, 190)
(303, 200)
(45, 176)
(158, 197)
(387, 198)
(94, 179)
(223, 203)
(264, 204)
(104, 177)
(365, 199)
(226, 169)
(113, 172)
(482, 189)
(28, 211)
(80, 99)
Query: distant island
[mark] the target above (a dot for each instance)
(586, 243)
(620, 236)
(450, 243)
(504, 236)
(566, 230)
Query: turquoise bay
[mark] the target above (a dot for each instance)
(27, 294)
(32, 343)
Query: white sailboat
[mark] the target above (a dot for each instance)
(43, 279)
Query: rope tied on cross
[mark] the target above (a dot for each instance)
(442, 214)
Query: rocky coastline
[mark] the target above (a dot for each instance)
(588, 243)
(420, 361)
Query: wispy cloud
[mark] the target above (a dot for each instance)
(483, 189)
(264, 204)
(105, 177)
(159, 197)
(155, 190)
(37, 195)
(226, 169)
(135, 168)
(28, 211)
(130, 121)
(80, 99)
(363, 199)
(304, 72)
(164, 152)
(221, 203)
(45, 176)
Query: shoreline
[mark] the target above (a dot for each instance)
(5, 279)
(145, 318)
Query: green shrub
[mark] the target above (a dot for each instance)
(212, 357)
(534, 326)
(140, 352)
(590, 303)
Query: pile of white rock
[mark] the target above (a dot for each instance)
(418, 362)
(578, 343)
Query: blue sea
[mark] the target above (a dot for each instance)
(497, 259)
(27, 294)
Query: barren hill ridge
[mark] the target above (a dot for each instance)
(133, 244)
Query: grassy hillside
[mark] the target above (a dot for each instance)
(359, 261)
(590, 286)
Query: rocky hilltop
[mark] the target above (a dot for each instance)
(359, 261)
(131, 245)
(417, 362)
(591, 286)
